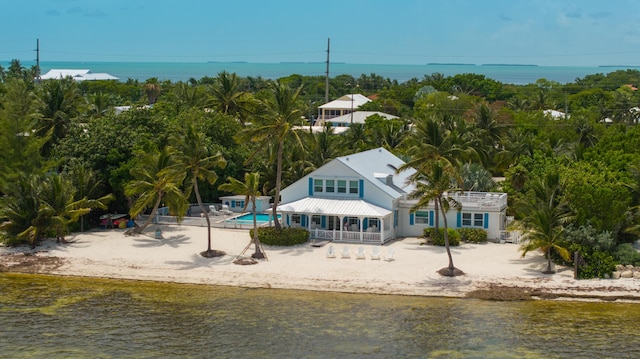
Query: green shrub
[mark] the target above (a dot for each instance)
(473, 235)
(594, 263)
(283, 237)
(437, 238)
(626, 254)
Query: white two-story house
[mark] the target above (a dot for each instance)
(363, 198)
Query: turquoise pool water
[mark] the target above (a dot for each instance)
(248, 217)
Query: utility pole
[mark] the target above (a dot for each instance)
(37, 79)
(326, 79)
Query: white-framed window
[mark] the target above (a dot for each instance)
(318, 185)
(353, 187)
(472, 219)
(295, 218)
(330, 186)
(422, 217)
(342, 186)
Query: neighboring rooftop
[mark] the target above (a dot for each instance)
(78, 75)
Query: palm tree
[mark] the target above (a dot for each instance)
(193, 155)
(228, 96)
(57, 103)
(356, 138)
(87, 188)
(476, 178)
(27, 217)
(59, 195)
(275, 125)
(153, 183)
(152, 89)
(433, 140)
(433, 184)
(250, 188)
(544, 214)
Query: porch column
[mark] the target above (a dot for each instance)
(382, 230)
(360, 227)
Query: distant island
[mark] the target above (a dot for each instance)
(448, 64)
(624, 66)
(227, 62)
(523, 65)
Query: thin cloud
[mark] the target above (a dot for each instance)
(599, 15)
(505, 17)
(94, 13)
(75, 10)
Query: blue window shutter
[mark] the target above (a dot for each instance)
(323, 221)
(486, 220)
(303, 220)
(459, 219)
(310, 186)
(411, 219)
(288, 220)
(431, 220)
(366, 223)
(361, 192)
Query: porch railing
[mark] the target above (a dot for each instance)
(345, 236)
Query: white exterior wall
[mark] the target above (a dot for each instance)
(262, 203)
(495, 218)
(336, 170)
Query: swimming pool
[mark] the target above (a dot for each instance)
(248, 218)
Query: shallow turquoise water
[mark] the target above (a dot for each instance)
(58, 317)
(184, 71)
(246, 218)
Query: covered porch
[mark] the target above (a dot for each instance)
(340, 220)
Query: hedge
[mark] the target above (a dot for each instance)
(283, 237)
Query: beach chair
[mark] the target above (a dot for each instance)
(389, 256)
(226, 211)
(375, 253)
(345, 253)
(360, 253)
(331, 253)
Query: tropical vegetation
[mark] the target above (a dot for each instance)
(573, 182)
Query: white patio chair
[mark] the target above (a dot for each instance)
(375, 253)
(360, 253)
(331, 252)
(389, 256)
(345, 253)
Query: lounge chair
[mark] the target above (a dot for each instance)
(360, 253)
(226, 211)
(375, 253)
(389, 256)
(345, 253)
(331, 253)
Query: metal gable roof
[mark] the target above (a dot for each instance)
(347, 102)
(337, 207)
(379, 167)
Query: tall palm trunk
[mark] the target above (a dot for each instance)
(276, 198)
(203, 211)
(138, 230)
(256, 241)
(446, 236)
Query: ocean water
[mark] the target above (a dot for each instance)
(509, 74)
(65, 317)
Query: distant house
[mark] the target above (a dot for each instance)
(356, 117)
(362, 198)
(341, 106)
(77, 75)
(236, 203)
(555, 115)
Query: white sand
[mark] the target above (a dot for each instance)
(175, 258)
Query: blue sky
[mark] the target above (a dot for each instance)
(542, 32)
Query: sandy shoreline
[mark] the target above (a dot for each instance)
(175, 258)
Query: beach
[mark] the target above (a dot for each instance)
(489, 267)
